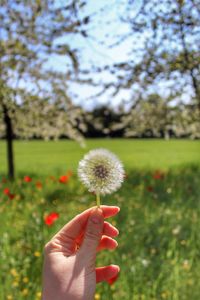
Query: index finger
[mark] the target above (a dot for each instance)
(108, 211)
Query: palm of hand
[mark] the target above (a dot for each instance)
(71, 276)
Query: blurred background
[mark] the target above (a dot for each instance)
(123, 75)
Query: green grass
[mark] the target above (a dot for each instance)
(159, 220)
(46, 157)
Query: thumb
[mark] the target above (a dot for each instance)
(93, 233)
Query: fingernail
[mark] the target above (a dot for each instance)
(117, 231)
(116, 267)
(114, 246)
(95, 219)
(96, 216)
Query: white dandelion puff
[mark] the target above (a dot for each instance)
(101, 172)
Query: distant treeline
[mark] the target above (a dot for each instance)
(146, 119)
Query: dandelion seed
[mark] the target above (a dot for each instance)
(101, 172)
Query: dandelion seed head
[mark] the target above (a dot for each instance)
(101, 171)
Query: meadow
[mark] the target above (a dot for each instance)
(159, 222)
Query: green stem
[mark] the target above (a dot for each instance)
(98, 200)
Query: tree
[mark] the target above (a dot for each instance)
(156, 117)
(164, 52)
(151, 117)
(187, 121)
(31, 33)
(103, 121)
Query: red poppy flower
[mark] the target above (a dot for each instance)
(38, 185)
(158, 175)
(51, 218)
(6, 191)
(27, 179)
(11, 196)
(64, 178)
(150, 188)
(113, 279)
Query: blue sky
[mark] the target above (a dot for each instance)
(97, 49)
(100, 49)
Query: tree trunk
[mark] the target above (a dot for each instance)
(9, 139)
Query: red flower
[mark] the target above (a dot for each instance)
(27, 179)
(113, 279)
(150, 188)
(38, 185)
(11, 196)
(51, 218)
(64, 178)
(6, 191)
(3, 180)
(158, 175)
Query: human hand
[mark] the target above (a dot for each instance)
(69, 271)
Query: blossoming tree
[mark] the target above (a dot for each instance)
(164, 57)
(33, 95)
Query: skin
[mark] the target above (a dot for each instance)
(69, 271)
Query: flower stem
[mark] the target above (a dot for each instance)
(98, 200)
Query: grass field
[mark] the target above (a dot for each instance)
(159, 220)
(44, 157)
